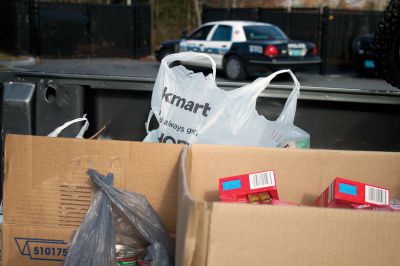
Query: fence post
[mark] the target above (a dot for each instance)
(203, 16)
(32, 20)
(288, 17)
(14, 28)
(89, 41)
(256, 14)
(135, 31)
(324, 39)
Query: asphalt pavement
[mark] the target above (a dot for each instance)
(149, 69)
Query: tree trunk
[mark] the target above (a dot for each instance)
(198, 13)
(188, 15)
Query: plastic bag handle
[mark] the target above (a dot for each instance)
(289, 110)
(82, 131)
(188, 56)
(151, 113)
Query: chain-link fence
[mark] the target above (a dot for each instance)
(61, 30)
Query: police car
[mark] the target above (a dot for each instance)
(242, 48)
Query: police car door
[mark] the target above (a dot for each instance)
(196, 42)
(219, 43)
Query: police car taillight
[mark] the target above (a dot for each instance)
(315, 51)
(271, 50)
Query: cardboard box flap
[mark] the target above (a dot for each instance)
(45, 179)
(193, 219)
(261, 235)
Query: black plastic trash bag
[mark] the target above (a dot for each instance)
(125, 216)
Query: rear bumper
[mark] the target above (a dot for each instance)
(259, 65)
(287, 62)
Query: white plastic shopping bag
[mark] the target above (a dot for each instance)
(190, 108)
(82, 131)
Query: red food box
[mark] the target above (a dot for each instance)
(258, 187)
(344, 193)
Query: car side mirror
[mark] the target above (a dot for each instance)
(184, 34)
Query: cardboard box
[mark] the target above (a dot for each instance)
(217, 233)
(1, 233)
(46, 194)
(47, 191)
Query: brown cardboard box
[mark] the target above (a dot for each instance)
(47, 191)
(214, 233)
(1, 233)
(46, 194)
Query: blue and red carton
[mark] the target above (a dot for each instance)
(344, 193)
(258, 187)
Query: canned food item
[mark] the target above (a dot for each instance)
(253, 198)
(265, 197)
(126, 255)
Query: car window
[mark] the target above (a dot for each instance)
(201, 34)
(222, 33)
(263, 32)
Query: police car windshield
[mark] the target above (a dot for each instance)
(264, 32)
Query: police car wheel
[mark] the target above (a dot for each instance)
(234, 68)
(165, 53)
